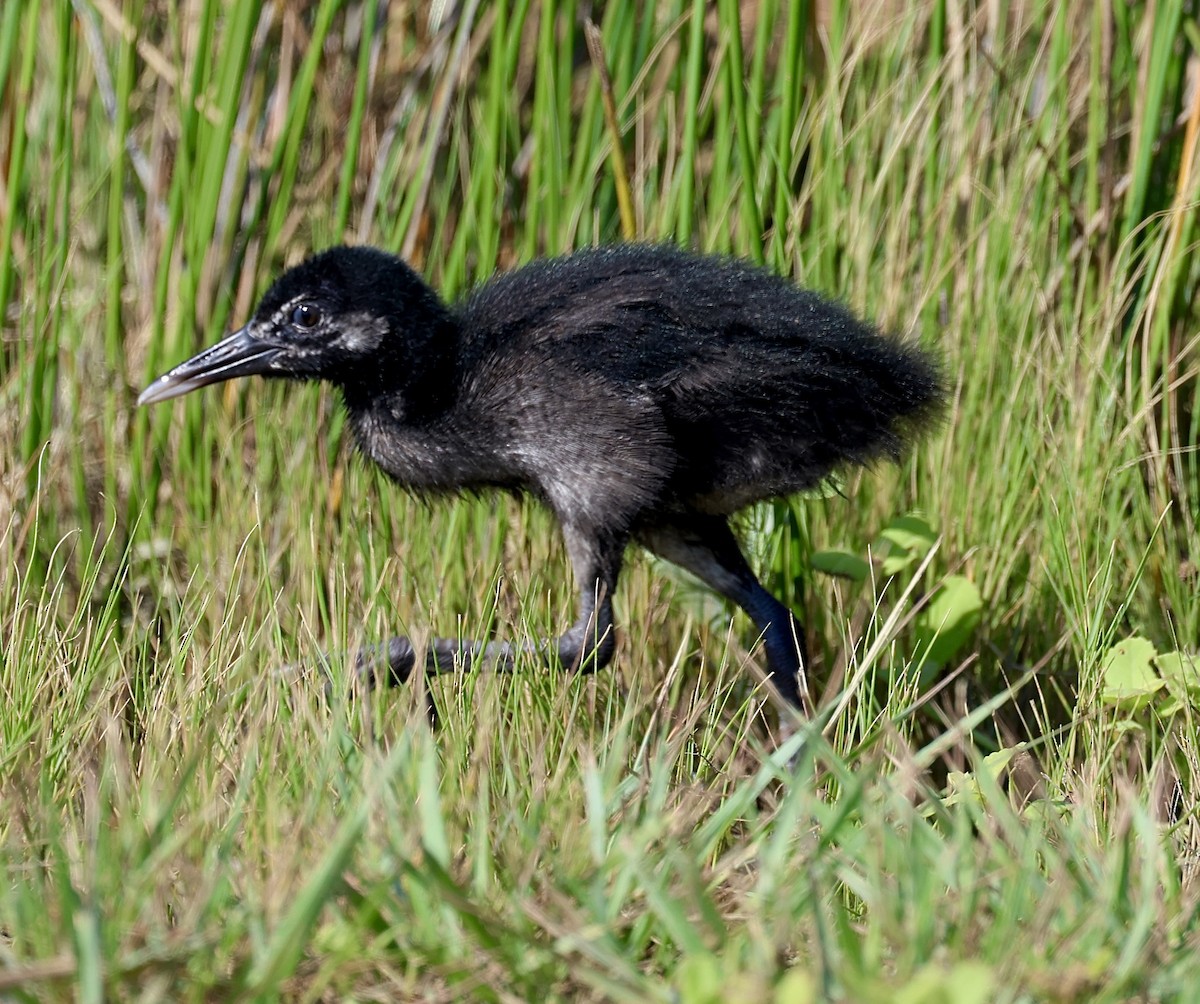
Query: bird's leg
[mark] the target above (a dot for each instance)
(589, 643)
(585, 647)
(706, 547)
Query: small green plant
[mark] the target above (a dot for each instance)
(949, 614)
(1137, 679)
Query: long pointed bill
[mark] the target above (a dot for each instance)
(240, 354)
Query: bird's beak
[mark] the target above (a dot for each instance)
(240, 354)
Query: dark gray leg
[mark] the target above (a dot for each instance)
(584, 647)
(706, 547)
(588, 644)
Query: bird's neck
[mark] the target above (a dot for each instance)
(410, 415)
(412, 378)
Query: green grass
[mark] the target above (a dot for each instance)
(187, 818)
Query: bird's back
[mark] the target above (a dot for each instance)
(732, 384)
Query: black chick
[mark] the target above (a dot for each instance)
(643, 393)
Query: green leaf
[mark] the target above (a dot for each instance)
(970, 983)
(962, 788)
(1128, 679)
(994, 764)
(903, 542)
(698, 979)
(963, 983)
(1047, 809)
(842, 564)
(1181, 669)
(796, 987)
(947, 622)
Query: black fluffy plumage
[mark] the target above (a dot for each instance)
(644, 393)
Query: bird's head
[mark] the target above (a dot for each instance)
(347, 314)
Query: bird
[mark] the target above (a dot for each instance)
(645, 393)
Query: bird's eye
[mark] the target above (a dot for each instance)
(305, 315)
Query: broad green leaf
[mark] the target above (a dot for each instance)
(842, 564)
(1181, 669)
(903, 542)
(796, 987)
(963, 983)
(1047, 809)
(970, 983)
(1128, 679)
(961, 788)
(698, 979)
(946, 623)
(995, 763)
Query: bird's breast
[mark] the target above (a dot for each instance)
(437, 456)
